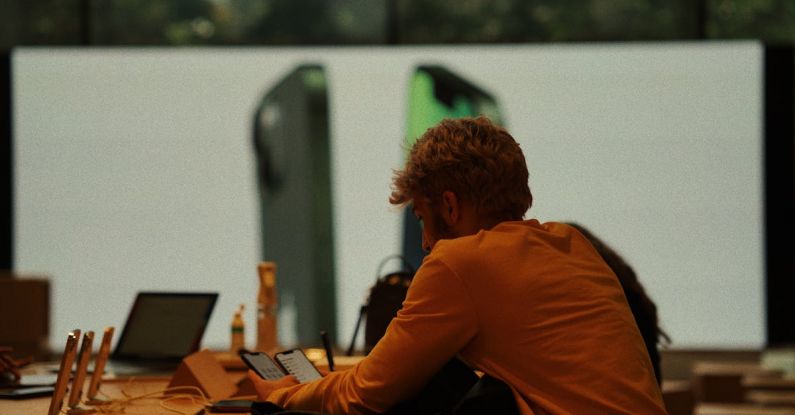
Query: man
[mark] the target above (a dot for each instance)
(530, 304)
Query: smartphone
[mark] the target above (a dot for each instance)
(231, 405)
(297, 364)
(24, 393)
(261, 363)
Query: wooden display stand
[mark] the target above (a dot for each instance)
(203, 371)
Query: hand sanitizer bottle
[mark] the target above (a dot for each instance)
(238, 331)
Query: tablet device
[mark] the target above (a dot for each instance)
(164, 327)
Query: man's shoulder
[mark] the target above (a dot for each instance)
(505, 231)
(505, 239)
(474, 245)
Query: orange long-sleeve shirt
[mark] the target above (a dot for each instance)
(528, 303)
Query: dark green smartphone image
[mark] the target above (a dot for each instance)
(291, 142)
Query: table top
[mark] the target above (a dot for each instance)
(764, 382)
(723, 368)
(146, 394)
(740, 409)
(124, 396)
(771, 397)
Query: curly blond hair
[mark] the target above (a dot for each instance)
(475, 159)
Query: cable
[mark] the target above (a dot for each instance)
(192, 393)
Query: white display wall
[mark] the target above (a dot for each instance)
(134, 169)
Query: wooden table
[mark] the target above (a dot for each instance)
(722, 382)
(131, 396)
(771, 398)
(144, 394)
(739, 409)
(768, 383)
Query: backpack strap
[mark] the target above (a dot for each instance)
(362, 312)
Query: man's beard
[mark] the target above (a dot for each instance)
(440, 228)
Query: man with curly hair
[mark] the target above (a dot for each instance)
(530, 304)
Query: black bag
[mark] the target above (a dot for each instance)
(488, 396)
(385, 299)
(457, 390)
(270, 408)
(442, 392)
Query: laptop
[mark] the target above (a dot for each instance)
(161, 329)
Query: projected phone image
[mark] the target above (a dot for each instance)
(64, 373)
(436, 93)
(291, 142)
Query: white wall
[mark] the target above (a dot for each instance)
(134, 169)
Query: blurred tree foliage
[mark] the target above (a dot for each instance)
(40, 22)
(772, 20)
(149, 22)
(238, 22)
(543, 20)
(304, 22)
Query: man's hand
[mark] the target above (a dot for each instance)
(265, 387)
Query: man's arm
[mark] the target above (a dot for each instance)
(437, 320)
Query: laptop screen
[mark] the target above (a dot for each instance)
(164, 326)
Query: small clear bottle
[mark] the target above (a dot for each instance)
(238, 331)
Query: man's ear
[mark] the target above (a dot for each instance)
(451, 208)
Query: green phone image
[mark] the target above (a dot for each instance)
(436, 93)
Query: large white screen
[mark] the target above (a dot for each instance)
(134, 169)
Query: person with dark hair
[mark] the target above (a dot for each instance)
(530, 305)
(643, 308)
